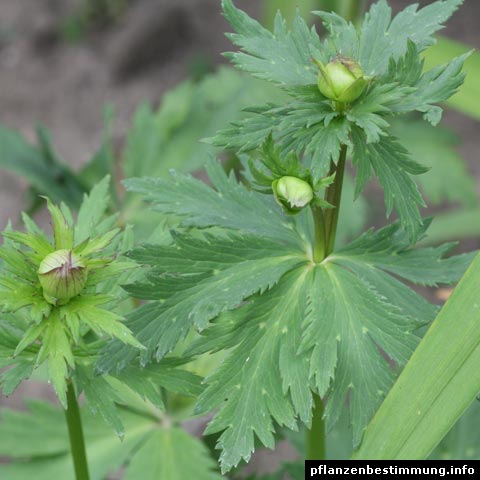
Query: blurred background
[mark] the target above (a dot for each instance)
(129, 87)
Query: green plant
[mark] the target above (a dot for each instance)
(61, 302)
(446, 366)
(253, 269)
(285, 335)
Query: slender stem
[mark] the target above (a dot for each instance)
(316, 435)
(75, 432)
(334, 197)
(319, 247)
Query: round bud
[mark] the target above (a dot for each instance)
(62, 275)
(341, 80)
(292, 193)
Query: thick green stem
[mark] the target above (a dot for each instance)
(325, 232)
(75, 433)
(334, 197)
(316, 435)
(319, 247)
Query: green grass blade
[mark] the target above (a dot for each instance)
(438, 384)
(467, 100)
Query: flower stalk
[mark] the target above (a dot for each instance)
(316, 435)
(75, 433)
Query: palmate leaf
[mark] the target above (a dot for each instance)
(388, 50)
(104, 394)
(56, 349)
(174, 454)
(37, 443)
(262, 297)
(267, 335)
(101, 321)
(388, 249)
(322, 328)
(101, 397)
(281, 57)
(60, 334)
(393, 167)
(305, 126)
(20, 370)
(193, 281)
(434, 86)
(92, 210)
(284, 57)
(382, 37)
(202, 206)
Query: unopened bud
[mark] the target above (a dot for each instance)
(292, 193)
(62, 275)
(341, 80)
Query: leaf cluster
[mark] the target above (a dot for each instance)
(387, 50)
(249, 284)
(36, 442)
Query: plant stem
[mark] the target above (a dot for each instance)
(325, 232)
(319, 247)
(334, 197)
(75, 433)
(316, 435)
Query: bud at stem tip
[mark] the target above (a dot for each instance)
(62, 275)
(292, 193)
(341, 80)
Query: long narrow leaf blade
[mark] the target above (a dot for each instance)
(438, 384)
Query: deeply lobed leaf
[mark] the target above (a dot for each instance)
(291, 327)
(388, 51)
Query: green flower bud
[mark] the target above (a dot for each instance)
(341, 80)
(292, 193)
(62, 275)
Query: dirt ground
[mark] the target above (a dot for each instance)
(156, 43)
